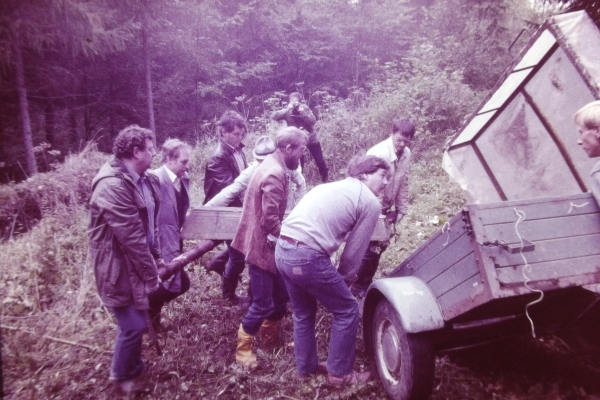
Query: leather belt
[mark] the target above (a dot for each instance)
(293, 241)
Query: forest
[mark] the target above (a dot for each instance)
(73, 73)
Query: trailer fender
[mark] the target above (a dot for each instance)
(413, 300)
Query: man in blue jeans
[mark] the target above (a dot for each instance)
(329, 214)
(265, 203)
(124, 245)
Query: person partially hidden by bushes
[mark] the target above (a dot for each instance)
(174, 204)
(328, 215)
(298, 114)
(124, 246)
(587, 120)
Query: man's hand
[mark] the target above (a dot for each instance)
(271, 241)
(393, 216)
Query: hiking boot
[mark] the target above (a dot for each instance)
(243, 352)
(350, 379)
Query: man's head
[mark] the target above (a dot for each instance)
(263, 147)
(291, 143)
(295, 97)
(587, 120)
(371, 170)
(135, 145)
(232, 128)
(403, 132)
(176, 156)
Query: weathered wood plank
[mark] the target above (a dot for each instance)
(220, 223)
(455, 275)
(544, 229)
(498, 213)
(558, 271)
(463, 298)
(440, 241)
(551, 250)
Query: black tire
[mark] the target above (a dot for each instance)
(405, 362)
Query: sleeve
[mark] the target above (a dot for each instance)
(358, 240)
(401, 203)
(307, 115)
(218, 169)
(273, 195)
(297, 177)
(228, 194)
(280, 115)
(122, 215)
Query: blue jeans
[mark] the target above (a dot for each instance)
(127, 355)
(310, 277)
(269, 299)
(235, 265)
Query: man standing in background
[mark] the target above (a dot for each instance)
(174, 204)
(264, 206)
(394, 202)
(224, 165)
(124, 246)
(298, 114)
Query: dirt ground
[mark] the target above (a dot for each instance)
(198, 362)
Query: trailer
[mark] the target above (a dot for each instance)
(523, 257)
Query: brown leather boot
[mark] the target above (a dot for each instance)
(269, 334)
(243, 354)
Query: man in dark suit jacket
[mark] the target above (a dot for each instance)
(174, 204)
(223, 166)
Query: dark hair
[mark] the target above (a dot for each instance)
(230, 120)
(363, 164)
(405, 126)
(291, 136)
(171, 149)
(129, 138)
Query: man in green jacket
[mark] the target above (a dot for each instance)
(124, 245)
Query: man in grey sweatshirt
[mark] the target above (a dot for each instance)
(329, 214)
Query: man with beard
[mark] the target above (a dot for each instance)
(265, 203)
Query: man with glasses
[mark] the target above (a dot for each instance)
(394, 202)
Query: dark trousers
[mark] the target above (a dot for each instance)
(368, 266)
(317, 153)
(161, 296)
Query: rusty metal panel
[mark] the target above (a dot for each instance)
(558, 91)
(525, 161)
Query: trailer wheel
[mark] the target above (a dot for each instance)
(405, 362)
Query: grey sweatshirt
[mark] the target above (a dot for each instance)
(331, 213)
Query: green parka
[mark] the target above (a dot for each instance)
(124, 264)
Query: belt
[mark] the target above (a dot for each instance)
(293, 241)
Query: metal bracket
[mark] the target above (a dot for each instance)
(527, 246)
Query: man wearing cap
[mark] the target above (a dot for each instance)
(224, 165)
(394, 201)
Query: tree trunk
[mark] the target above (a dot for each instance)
(24, 106)
(149, 97)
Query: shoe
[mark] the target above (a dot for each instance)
(129, 387)
(321, 370)
(269, 335)
(243, 353)
(350, 379)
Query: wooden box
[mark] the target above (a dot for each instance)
(498, 250)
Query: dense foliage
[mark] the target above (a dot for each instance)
(73, 71)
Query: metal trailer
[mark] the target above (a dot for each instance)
(524, 255)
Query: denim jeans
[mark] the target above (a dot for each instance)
(310, 277)
(269, 299)
(127, 355)
(235, 265)
(368, 266)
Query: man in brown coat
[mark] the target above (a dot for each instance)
(264, 205)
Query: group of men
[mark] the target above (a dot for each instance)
(137, 216)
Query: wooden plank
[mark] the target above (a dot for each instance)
(544, 229)
(551, 250)
(558, 271)
(445, 260)
(463, 298)
(440, 241)
(460, 272)
(220, 223)
(549, 207)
